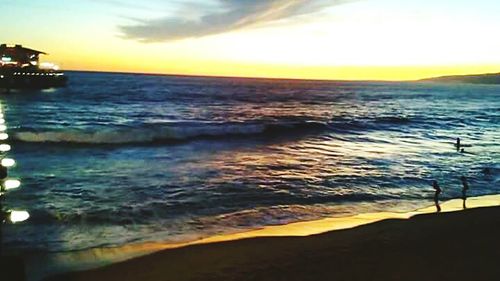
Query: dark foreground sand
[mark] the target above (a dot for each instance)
(448, 246)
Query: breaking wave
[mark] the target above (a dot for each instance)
(163, 133)
(185, 131)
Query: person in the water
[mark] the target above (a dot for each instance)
(436, 195)
(464, 190)
(458, 144)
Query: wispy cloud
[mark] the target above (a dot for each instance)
(230, 15)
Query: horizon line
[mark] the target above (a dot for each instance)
(278, 78)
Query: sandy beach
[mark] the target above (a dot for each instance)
(452, 245)
(249, 140)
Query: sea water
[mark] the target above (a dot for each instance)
(114, 159)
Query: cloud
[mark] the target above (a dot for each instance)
(230, 15)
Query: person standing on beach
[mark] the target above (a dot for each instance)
(436, 195)
(464, 189)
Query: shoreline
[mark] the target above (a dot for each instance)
(446, 246)
(43, 265)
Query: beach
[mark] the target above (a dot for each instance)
(451, 245)
(249, 140)
(179, 162)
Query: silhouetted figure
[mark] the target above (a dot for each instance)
(458, 145)
(436, 195)
(464, 190)
(461, 147)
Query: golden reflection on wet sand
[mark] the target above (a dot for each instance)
(40, 266)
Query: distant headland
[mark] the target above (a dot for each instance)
(490, 78)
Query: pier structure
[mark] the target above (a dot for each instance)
(20, 67)
(19, 57)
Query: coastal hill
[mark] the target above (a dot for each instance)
(491, 78)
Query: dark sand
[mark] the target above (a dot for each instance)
(447, 246)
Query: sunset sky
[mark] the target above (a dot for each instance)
(324, 39)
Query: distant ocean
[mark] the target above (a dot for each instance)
(115, 159)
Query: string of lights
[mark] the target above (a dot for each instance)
(7, 183)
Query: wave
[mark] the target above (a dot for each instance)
(184, 131)
(165, 133)
(393, 120)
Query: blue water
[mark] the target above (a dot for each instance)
(120, 158)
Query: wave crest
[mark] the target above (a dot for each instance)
(163, 133)
(184, 131)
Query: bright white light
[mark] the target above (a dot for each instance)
(18, 216)
(11, 184)
(46, 65)
(3, 128)
(8, 162)
(4, 147)
(1, 115)
(3, 136)
(2, 121)
(49, 65)
(6, 59)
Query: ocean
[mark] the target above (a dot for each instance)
(115, 159)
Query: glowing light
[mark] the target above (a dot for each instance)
(49, 65)
(2, 121)
(1, 115)
(11, 184)
(3, 136)
(3, 128)
(18, 216)
(8, 162)
(4, 147)
(6, 59)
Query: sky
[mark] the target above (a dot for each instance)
(311, 39)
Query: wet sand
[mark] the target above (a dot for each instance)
(462, 245)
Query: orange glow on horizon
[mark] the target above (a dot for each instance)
(358, 40)
(180, 59)
(356, 73)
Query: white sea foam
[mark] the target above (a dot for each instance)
(145, 135)
(171, 132)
